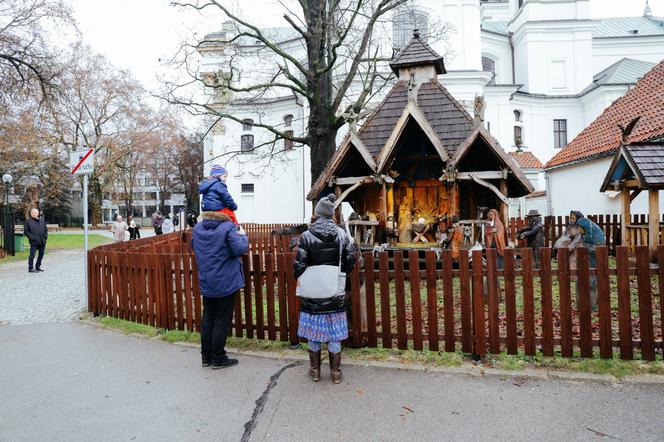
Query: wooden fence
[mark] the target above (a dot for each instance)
(415, 300)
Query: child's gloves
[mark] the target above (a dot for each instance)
(241, 231)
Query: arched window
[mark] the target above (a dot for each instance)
(489, 65)
(247, 124)
(247, 143)
(518, 136)
(405, 22)
(518, 116)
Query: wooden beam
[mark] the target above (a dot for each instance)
(493, 188)
(382, 214)
(484, 175)
(625, 212)
(634, 195)
(349, 181)
(653, 221)
(341, 196)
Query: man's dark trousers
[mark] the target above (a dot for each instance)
(215, 325)
(31, 258)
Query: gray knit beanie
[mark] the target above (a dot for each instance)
(325, 207)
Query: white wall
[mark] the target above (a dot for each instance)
(280, 182)
(607, 51)
(577, 188)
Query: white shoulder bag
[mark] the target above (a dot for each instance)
(323, 281)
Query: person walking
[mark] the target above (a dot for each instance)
(37, 233)
(134, 229)
(167, 226)
(218, 245)
(323, 319)
(157, 222)
(119, 229)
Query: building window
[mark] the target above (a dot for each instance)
(247, 124)
(518, 136)
(403, 25)
(247, 143)
(288, 144)
(559, 133)
(288, 120)
(247, 187)
(518, 116)
(489, 65)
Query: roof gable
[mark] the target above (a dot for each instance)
(641, 161)
(602, 137)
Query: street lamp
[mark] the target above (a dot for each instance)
(7, 179)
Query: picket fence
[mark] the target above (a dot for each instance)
(411, 299)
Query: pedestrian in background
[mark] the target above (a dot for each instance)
(37, 233)
(167, 226)
(218, 245)
(134, 229)
(119, 229)
(157, 222)
(323, 319)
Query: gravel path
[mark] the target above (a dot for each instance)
(56, 295)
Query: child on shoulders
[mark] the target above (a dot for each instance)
(216, 197)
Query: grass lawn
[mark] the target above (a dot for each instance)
(615, 366)
(59, 241)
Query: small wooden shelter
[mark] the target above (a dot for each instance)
(638, 167)
(420, 158)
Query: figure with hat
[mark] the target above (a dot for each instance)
(591, 235)
(216, 197)
(533, 234)
(323, 317)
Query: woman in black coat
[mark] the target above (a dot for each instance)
(324, 320)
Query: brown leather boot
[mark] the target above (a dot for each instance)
(314, 370)
(335, 367)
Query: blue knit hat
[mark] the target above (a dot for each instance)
(218, 170)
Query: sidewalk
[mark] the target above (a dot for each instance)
(76, 382)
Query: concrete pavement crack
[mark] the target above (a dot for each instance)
(260, 402)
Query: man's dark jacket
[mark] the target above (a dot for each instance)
(35, 230)
(320, 246)
(218, 247)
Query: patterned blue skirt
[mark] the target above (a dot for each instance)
(330, 327)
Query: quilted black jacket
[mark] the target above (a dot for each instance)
(320, 246)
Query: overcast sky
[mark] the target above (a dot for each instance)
(135, 34)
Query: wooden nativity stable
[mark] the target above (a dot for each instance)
(420, 162)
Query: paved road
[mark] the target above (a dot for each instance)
(75, 382)
(57, 294)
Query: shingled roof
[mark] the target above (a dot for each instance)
(417, 53)
(526, 160)
(602, 137)
(641, 161)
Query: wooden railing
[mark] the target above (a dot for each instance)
(415, 299)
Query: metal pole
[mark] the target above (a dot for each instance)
(85, 232)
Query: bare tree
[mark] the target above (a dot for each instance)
(94, 112)
(341, 71)
(188, 168)
(26, 59)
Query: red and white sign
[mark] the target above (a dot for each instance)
(82, 162)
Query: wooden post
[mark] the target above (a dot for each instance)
(337, 212)
(504, 209)
(626, 216)
(382, 215)
(653, 221)
(454, 195)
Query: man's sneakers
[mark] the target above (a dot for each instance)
(32, 271)
(224, 364)
(40, 270)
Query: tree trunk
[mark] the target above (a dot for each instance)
(95, 199)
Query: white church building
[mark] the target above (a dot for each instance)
(545, 69)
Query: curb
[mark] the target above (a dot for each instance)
(466, 369)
